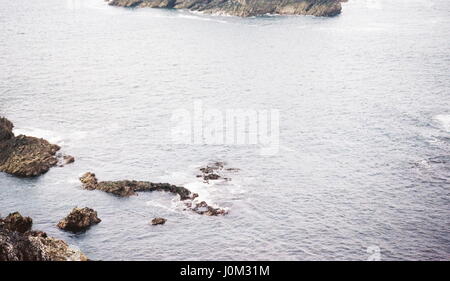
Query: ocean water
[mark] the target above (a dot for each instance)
(363, 168)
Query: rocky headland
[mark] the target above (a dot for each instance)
(19, 243)
(25, 156)
(242, 8)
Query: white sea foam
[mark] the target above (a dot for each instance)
(51, 136)
(196, 15)
(189, 181)
(444, 121)
(59, 138)
(212, 192)
(160, 205)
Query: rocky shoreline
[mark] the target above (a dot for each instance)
(242, 8)
(19, 243)
(25, 156)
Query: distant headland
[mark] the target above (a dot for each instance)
(242, 8)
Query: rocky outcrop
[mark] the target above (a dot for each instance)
(243, 8)
(126, 188)
(19, 243)
(210, 172)
(25, 156)
(80, 219)
(6, 129)
(203, 208)
(215, 171)
(157, 221)
(16, 222)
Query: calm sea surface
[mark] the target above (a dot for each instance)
(364, 102)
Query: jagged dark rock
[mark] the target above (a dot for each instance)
(24, 156)
(215, 171)
(210, 171)
(17, 245)
(6, 129)
(126, 188)
(243, 8)
(157, 221)
(79, 219)
(16, 222)
(203, 208)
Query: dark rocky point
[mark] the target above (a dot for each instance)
(126, 188)
(80, 219)
(6, 129)
(19, 243)
(16, 222)
(243, 8)
(24, 156)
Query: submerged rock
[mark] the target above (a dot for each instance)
(24, 156)
(16, 245)
(243, 8)
(157, 221)
(203, 208)
(210, 172)
(126, 188)
(64, 160)
(68, 159)
(215, 171)
(79, 219)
